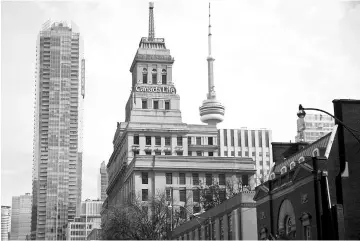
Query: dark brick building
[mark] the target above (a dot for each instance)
(314, 190)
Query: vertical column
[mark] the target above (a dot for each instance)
(236, 142)
(152, 145)
(196, 234)
(173, 143)
(159, 71)
(169, 74)
(185, 145)
(217, 229)
(142, 143)
(149, 76)
(236, 225)
(225, 227)
(203, 232)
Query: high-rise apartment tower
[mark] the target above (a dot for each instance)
(102, 181)
(313, 127)
(21, 217)
(57, 168)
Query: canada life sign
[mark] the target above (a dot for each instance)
(156, 89)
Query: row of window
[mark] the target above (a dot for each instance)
(210, 230)
(246, 135)
(195, 178)
(179, 140)
(154, 76)
(146, 104)
(232, 153)
(168, 153)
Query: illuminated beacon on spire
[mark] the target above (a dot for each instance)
(211, 111)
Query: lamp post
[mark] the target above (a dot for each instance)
(301, 114)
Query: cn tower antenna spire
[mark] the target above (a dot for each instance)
(210, 59)
(151, 21)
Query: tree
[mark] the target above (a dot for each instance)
(215, 194)
(138, 220)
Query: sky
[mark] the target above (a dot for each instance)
(270, 56)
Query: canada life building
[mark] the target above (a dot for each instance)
(153, 149)
(57, 164)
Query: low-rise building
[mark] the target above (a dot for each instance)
(5, 222)
(89, 219)
(313, 191)
(234, 219)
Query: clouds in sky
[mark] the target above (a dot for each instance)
(270, 57)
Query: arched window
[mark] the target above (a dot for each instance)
(287, 220)
(154, 76)
(283, 170)
(301, 159)
(292, 165)
(163, 77)
(272, 176)
(315, 152)
(144, 73)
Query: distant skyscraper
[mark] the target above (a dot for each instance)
(313, 127)
(5, 222)
(102, 181)
(21, 217)
(57, 168)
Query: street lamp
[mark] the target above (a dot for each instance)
(301, 114)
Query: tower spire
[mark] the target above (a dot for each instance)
(211, 111)
(211, 88)
(151, 21)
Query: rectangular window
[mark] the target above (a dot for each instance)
(157, 140)
(183, 214)
(246, 138)
(246, 153)
(179, 140)
(144, 104)
(195, 177)
(196, 209)
(261, 163)
(196, 195)
(154, 79)
(208, 179)
(232, 137)
(239, 153)
(225, 137)
(260, 153)
(144, 78)
(157, 152)
(268, 154)
(163, 79)
(167, 140)
(225, 153)
(198, 140)
(267, 140)
(182, 178)
(307, 232)
(167, 153)
(199, 153)
(268, 163)
(144, 195)
(245, 180)
(232, 153)
(168, 178)
(189, 153)
(211, 153)
(253, 138)
(136, 152)
(148, 140)
(239, 137)
(182, 194)
(260, 138)
(136, 139)
(144, 177)
(179, 153)
(253, 154)
(168, 194)
(221, 179)
(148, 152)
(167, 104)
(210, 141)
(156, 104)
(189, 140)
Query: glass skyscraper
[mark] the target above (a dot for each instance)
(57, 164)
